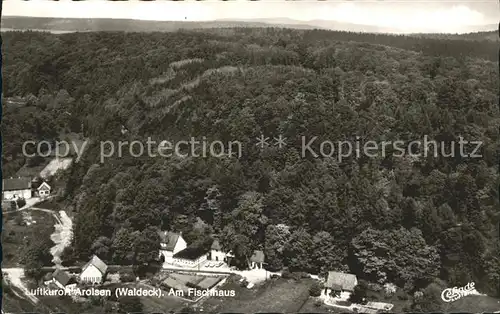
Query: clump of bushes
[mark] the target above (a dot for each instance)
(21, 202)
(287, 274)
(315, 289)
(126, 276)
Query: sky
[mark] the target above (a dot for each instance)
(401, 15)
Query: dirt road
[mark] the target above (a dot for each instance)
(14, 276)
(62, 237)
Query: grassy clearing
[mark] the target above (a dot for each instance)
(311, 307)
(16, 233)
(49, 204)
(275, 295)
(400, 300)
(474, 304)
(164, 304)
(63, 304)
(470, 304)
(11, 303)
(152, 304)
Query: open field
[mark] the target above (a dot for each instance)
(164, 304)
(49, 204)
(474, 304)
(401, 301)
(63, 304)
(471, 303)
(311, 306)
(275, 295)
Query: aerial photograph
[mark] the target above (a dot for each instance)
(250, 156)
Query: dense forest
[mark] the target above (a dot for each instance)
(404, 220)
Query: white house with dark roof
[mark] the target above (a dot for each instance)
(171, 243)
(190, 257)
(43, 189)
(216, 252)
(15, 188)
(94, 271)
(340, 285)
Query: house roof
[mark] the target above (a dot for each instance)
(61, 276)
(342, 280)
(44, 185)
(216, 245)
(98, 263)
(169, 239)
(257, 257)
(191, 253)
(13, 184)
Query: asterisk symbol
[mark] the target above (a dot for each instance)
(262, 141)
(280, 141)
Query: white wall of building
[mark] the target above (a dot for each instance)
(12, 195)
(91, 275)
(190, 263)
(329, 293)
(216, 255)
(180, 245)
(168, 255)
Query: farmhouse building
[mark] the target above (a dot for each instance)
(257, 259)
(216, 252)
(190, 257)
(60, 278)
(340, 285)
(171, 243)
(94, 271)
(15, 188)
(44, 189)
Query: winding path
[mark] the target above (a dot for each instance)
(15, 276)
(61, 237)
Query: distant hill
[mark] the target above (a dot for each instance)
(73, 24)
(489, 35)
(321, 24)
(128, 25)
